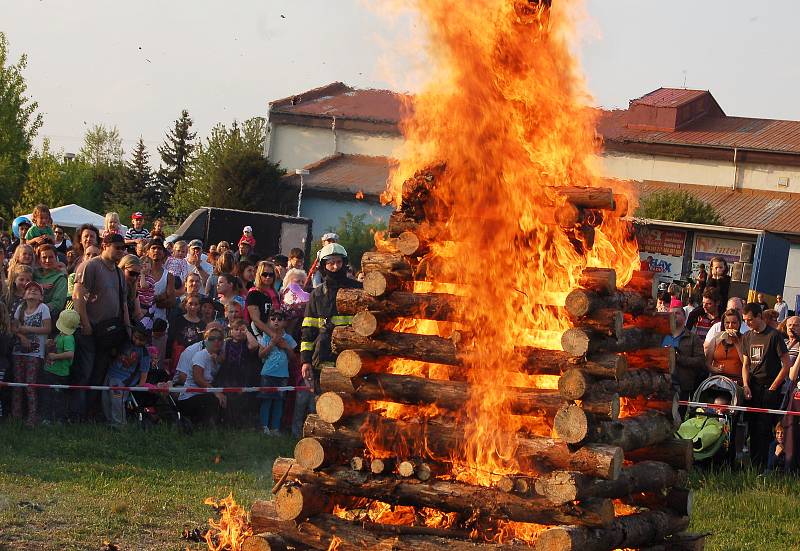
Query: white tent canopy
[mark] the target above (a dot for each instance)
(72, 216)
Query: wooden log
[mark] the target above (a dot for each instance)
(554, 362)
(432, 306)
(351, 363)
(300, 501)
(443, 439)
(449, 496)
(599, 280)
(315, 453)
(319, 533)
(582, 302)
(576, 383)
(676, 500)
(405, 345)
(630, 531)
(642, 283)
(647, 476)
(579, 341)
(378, 284)
(452, 395)
(604, 321)
(661, 323)
(382, 466)
(264, 542)
(368, 324)
(406, 468)
(400, 222)
(359, 463)
(658, 358)
(388, 263)
(588, 197)
(407, 243)
(676, 452)
(332, 406)
(666, 404)
(631, 433)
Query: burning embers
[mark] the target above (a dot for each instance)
(495, 378)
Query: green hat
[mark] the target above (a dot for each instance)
(68, 322)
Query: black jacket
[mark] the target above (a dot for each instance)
(320, 319)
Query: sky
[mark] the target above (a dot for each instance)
(136, 65)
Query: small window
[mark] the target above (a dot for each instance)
(783, 181)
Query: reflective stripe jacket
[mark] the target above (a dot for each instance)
(320, 319)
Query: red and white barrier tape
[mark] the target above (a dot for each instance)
(738, 408)
(154, 388)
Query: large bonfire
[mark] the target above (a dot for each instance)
(494, 377)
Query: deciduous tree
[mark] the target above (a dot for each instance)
(679, 206)
(19, 123)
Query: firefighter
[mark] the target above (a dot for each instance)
(321, 316)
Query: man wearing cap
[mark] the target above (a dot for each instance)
(197, 264)
(99, 299)
(136, 232)
(248, 237)
(314, 275)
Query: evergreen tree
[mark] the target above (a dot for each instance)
(175, 154)
(129, 192)
(19, 123)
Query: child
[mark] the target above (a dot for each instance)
(277, 348)
(233, 312)
(776, 461)
(187, 329)
(59, 357)
(18, 279)
(137, 232)
(146, 288)
(247, 237)
(31, 325)
(112, 225)
(239, 368)
(42, 229)
(133, 360)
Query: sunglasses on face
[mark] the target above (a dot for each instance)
(268, 274)
(214, 339)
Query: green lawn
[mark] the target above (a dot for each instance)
(74, 487)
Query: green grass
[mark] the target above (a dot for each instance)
(72, 487)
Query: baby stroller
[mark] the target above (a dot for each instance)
(152, 408)
(718, 434)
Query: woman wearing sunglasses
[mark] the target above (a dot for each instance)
(262, 298)
(131, 266)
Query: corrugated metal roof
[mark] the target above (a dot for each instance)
(669, 97)
(350, 174)
(773, 211)
(727, 132)
(343, 101)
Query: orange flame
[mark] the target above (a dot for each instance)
(232, 528)
(335, 543)
(505, 124)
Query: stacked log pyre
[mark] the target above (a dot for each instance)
(610, 475)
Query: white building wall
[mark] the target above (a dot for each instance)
(791, 288)
(297, 146)
(660, 168)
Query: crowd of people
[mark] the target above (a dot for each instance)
(756, 345)
(130, 308)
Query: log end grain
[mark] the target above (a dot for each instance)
(264, 542)
(574, 384)
(330, 407)
(309, 453)
(377, 284)
(408, 243)
(576, 341)
(366, 324)
(571, 424)
(299, 501)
